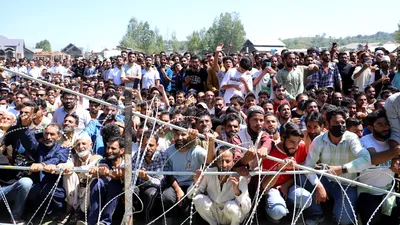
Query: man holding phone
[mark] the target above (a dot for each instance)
(362, 73)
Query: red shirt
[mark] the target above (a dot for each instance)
(277, 104)
(269, 165)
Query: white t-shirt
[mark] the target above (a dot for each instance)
(83, 114)
(149, 78)
(232, 78)
(34, 72)
(133, 71)
(363, 80)
(264, 84)
(377, 178)
(115, 76)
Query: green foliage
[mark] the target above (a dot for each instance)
(323, 41)
(45, 45)
(397, 33)
(139, 36)
(227, 28)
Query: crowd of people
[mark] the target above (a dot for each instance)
(327, 109)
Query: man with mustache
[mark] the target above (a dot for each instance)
(47, 155)
(70, 106)
(182, 156)
(75, 183)
(147, 185)
(150, 76)
(279, 96)
(221, 199)
(282, 189)
(110, 115)
(69, 127)
(314, 124)
(377, 144)
(109, 183)
(327, 75)
(271, 124)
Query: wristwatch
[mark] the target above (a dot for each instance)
(344, 169)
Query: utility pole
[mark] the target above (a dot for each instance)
(128, 153)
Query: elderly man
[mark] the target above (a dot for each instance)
(75, 183)
(221, 199)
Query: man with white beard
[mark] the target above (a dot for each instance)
(75, 183)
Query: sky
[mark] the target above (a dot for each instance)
(97, 24)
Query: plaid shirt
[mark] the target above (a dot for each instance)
(156, 164)
(323, 78)
(348, 152)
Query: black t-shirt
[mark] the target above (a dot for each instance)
(295, 114)
(346, 71)
(197, 79)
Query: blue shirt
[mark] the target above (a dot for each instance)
(164, 82)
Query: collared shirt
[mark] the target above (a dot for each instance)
(363, 80)
(323, 78)
(157, 163)
(84, 116)
(293, 81)
(347, 152)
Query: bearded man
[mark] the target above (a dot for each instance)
(232, 204)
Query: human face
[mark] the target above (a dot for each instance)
(209, 97)
(256, 122)
(291, 60)
(113, 151)
(195, 64)
(343, 59)
(41, 94)
(312, 107)
(386, 95)
(271, 124)
(322, 96)
(51, 136)
(90, 91)
(290, 145)
(225, 161)
(308, 61)
(7, 120)
(180, 97)
(274, 62)
(26, 112)
(171, 100)
(337, 120)
(235, 104)
(181, 138)
(228, 64)
(268, 108)
(370, 93)
(98, 94)
(69, 101)
(201, 97)
(280, 93)
(83, 145)
(362, 101)
(313, 129)
(203, 125)
(262, 97)
(352, 109)
(219, 105)
(94, 108)
(285, 112)
(326, 56)
(151, 144)
(69, 124)
(231, 128)
(357, 130)
(250, 101)
(337, 99)
(381, 129)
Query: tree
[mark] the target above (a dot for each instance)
(139, 36)
(45, 45)
(397, 34)
(227, 28)
(174, 43)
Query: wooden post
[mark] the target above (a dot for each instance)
(128, 154)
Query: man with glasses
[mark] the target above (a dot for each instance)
(69, 106)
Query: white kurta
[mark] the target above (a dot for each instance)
(221, 206)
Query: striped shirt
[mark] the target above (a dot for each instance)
(348, 152)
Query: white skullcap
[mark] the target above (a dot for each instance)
(83, 136)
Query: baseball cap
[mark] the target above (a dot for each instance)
(250, 94)
(385, 59)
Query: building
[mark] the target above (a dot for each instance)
(51, 55)
(390, 46)
(73, 51)
(263, 46)
(14, 48)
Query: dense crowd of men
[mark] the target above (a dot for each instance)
(324, 109)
